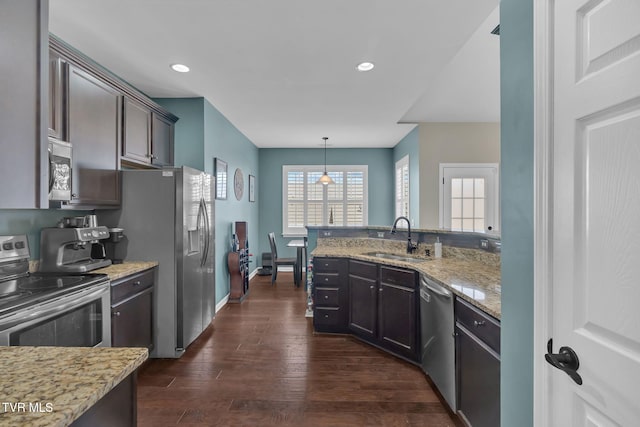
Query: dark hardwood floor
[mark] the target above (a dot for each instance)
(260, 364)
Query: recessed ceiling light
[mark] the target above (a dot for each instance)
(181, 68)
(365, 66)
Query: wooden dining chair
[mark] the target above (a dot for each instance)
(276, 261)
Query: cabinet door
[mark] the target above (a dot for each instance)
(136, 144)
(478, 378)
(397, 318)
(132, 321)
(362, 306)
(94, 132)
(23, 116)
(161, 141)
(57, 72)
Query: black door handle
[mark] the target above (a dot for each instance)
(567, 361)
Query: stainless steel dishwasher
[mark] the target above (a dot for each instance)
(438, 341)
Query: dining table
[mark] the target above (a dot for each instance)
(301, 259)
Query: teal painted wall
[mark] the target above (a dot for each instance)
(202, 134)
(381, 184)
(222, 139)
(189, 130)
(410, 145)
(30, 221)
(516, 176)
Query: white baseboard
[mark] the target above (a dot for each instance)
(222, 303)
(253, 273)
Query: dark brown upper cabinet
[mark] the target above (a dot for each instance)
(57, 96)
(94, 132)
(24, 168)
(136, 141)
(162, 133)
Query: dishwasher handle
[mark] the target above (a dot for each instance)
(436, 289)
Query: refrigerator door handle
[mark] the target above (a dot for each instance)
(207, 228)
(199, 227)
(202, 233)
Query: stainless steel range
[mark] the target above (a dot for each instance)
(50, 309)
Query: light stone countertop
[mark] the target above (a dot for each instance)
(127, 268)
(469, 277)
(63, 382)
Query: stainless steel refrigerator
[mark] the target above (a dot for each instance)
(167, 216)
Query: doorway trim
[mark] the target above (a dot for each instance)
(543, 205)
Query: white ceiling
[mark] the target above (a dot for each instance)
(284, 71)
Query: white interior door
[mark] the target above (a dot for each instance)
(594, 270)
(469, 197)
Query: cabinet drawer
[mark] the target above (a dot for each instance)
(328, 316)
(121, 289)
(363, 269)
(333, 279)
(327, 296)
(397, 276)
(329, 265)
(480, 324)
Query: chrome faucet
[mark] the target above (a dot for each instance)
(411, 247)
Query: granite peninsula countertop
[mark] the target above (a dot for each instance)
(59, 384)
(127, 268)
(471, 279)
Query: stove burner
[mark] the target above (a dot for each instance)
(11, 288)
(25, 291)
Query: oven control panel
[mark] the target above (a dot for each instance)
(14, 247)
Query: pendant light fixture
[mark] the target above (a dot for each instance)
(325, 179)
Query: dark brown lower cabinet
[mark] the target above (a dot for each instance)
(116, 408)
(330, 295)
(132, 311)
(383, 307)
(397, 318)
(477, 366)
(363, 310)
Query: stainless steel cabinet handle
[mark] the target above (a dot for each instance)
(478, 323)
(117, 314)
(326, 297)
(371, 287)
(137, 283)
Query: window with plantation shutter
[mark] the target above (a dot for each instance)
(343, 203)
(402, 188)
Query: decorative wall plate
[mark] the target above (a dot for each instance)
(238, 183)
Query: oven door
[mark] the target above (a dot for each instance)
(78, 319)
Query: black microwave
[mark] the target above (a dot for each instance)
(60, 161)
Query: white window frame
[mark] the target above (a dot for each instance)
(402, 168)
(302, 231)
(493, 194)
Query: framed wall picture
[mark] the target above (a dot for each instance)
(252, 188)
(220, 171)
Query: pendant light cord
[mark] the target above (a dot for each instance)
(325, 154)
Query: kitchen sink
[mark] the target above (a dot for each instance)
(385, 255)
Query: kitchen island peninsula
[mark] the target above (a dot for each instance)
(62, 386)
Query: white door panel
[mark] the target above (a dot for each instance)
(596, 210)
(469, 197)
